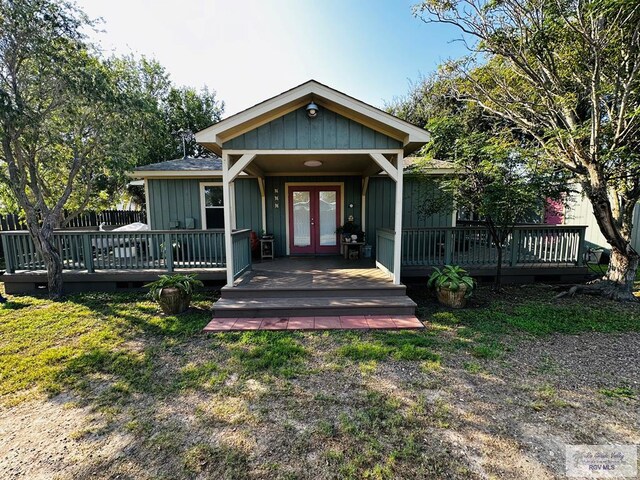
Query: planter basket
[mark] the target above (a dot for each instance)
(172, 301)
(453, 299)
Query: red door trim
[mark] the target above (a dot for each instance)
(314, 196)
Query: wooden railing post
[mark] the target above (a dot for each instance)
(87, 253)
(515, 247)
(250, 267)
(168, 252)
(8, 254)
(448, 246)
(582, 247)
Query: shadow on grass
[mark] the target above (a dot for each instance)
(16, 304)
(142, 316)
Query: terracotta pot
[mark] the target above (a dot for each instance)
(452, 299)
(172, 301)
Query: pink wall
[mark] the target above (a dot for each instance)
(553, 212)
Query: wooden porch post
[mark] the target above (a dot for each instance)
(226, 200)
(397, 244)
(363, 205)
(263, 202)
(232, 206)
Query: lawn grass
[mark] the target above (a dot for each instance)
(306, 392)
(48, 346)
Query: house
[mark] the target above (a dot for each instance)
(297, 166)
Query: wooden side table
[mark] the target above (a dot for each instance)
(346, 246)
(266, 248)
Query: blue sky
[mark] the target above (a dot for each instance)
(249, 50)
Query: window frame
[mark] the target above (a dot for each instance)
(203, 205)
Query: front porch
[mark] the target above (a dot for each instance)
(313, 287)
(300, 273)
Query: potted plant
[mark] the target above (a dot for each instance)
(350, 232)
(173, 292)
(453, 285)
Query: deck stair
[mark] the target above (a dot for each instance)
(312, 302)
(303, 291)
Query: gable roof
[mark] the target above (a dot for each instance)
(410, 136)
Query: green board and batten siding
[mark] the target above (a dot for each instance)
(174, 200)
(380, 205)
(248, 204)
(296, 131)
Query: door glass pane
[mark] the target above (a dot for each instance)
(301, 219)
(328, 209)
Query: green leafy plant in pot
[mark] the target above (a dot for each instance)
(348, 229)
(453, 285)
(173, 292)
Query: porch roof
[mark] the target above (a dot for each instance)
(212, 167)
(410, 137)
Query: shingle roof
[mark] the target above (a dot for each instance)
(419, 163)
(183, 165)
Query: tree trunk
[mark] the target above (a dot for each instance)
(43, 239)
(619, 280)
(497, 284)
(621, 274)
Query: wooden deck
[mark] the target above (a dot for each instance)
(313, 287)
(100, 280)
(313, 272)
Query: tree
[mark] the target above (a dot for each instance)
(499, 175)
(62, 118)
(191, 110)
(566, 73)
(163, 110)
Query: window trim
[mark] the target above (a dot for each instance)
(203, 206)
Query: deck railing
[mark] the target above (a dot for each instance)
(472, 246)
(89, 251)
(241, 241)
(385, 241)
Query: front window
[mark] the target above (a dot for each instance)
(213, 206)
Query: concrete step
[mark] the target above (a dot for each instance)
(389, 290)
(313, 306)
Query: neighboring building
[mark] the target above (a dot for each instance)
(580, 212)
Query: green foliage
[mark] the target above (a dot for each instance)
(452, 277)
(163, 109)
(78, 121)
(562, 82)
(618, 392)
(350, 228)
(500, 176)
(185, 283)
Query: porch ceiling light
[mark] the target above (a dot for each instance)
(313, 163)
(312, 110)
